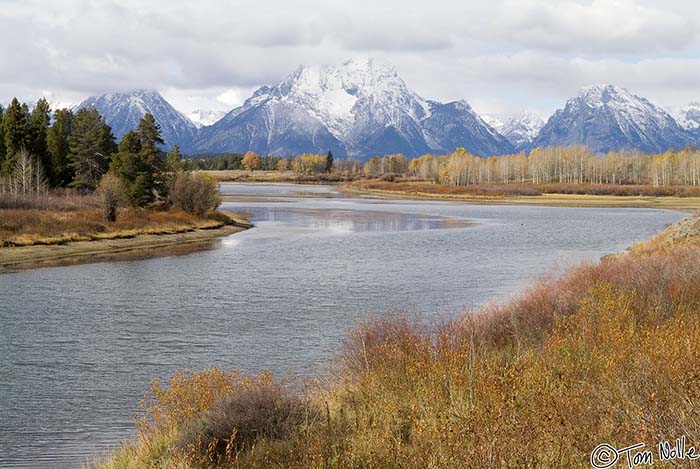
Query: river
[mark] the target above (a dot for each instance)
(80, 344)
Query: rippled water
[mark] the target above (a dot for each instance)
(80, 344)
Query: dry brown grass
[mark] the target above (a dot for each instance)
(619, 190)
(606, 352)
(60, 199)
(422, 187)
(515, 190)
(234, 175)
(61, 218)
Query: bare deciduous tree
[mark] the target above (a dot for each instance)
(27, 176)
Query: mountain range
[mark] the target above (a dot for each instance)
(362, 108)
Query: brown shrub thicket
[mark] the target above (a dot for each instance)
(65, 200)
(194, 193)
(111, 192)
(258, 409)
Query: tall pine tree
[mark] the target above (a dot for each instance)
(140, 164)
(57, 142)
(91, 147)
(329, 162)
(130, 142)
(17, 133)
(174, 162)
(150, 133)
(39, 124)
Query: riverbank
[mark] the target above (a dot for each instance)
(173, 234)
(236, 175)
(520, 196)
(602, 353)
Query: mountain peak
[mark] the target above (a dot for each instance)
(610, 118)
(599, 95)
(362, 107)
(123, 111)
(360, 74)
(369, 65)
(145, 93)
(461, 105)
(599, 88)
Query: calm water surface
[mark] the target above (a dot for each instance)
(80, 344)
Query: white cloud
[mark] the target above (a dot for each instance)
(231, 97)
(501, 55)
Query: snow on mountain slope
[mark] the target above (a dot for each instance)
(688, 117)
(456, 124)
(361, 107)
(520, 129)
(201, 118)
(608, 118)
(123, 111)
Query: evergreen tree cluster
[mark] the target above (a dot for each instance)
(227, 161)
(76, 149)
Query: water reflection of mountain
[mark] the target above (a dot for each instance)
(350, 221)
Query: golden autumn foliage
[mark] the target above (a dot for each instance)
(570, 165)
(604, 353)
(562, 165)
(309, 164)
(389, 164)
(251, 161)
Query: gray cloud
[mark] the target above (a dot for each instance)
(501, 55)
(597, 27)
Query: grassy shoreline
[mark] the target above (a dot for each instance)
(125, 244)
(603, 353)
(421, 191)
(239, 175)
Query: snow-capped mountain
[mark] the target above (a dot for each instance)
(520, 129)
(688, 117)
(608, 118)
(123, 111)
(201, 118)
(359, 108)
(455, 124)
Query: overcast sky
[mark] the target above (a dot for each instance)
(503, 56)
